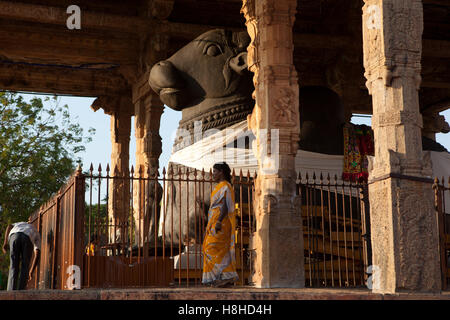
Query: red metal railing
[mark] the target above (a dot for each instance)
(60, 222)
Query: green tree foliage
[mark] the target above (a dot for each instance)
(39, 147)
(96, 221)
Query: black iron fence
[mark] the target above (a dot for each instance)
(442, 206)
(336, 231)
(144, 229)
(139, 229)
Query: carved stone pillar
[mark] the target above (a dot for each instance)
(120, 109)
(278, 240)
(148, 111)
(403, 224)
(119, 188)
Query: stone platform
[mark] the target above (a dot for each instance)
(201, 293)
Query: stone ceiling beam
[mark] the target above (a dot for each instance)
(61, 47)
(435, 73)
(132, 24)
(58, 15)
(190, 31)
(431, 48)
(437, 2)
(438, 107)
(435, 48)
(70, 81)
(438, 83)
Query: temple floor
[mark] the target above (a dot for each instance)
(202, 293)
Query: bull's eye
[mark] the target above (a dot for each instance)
(213, 50)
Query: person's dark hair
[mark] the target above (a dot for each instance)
(225, 169)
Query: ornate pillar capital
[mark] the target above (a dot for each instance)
(112, 104)
(434, 123)
(270, 57)
(392, 47)
(392, 34)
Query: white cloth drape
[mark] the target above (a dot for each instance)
(219, 146)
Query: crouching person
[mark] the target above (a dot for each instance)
(22, 238)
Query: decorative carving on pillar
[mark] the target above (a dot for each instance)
(147, 195)
(282, 106)
(148, 111)
(297, 205)
(153, 144)
(270, 203)
(274, 120)
(280, 74)
(248, 10)
(271, 62)
(403, 228)
(417, 254)
(392, 33)
(120, 109)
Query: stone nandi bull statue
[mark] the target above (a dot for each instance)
(209, 82)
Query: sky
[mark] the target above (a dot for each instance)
(99, 150)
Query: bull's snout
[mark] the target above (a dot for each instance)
(167, 82)
(164, 75)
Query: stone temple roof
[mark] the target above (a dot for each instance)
(119, 41)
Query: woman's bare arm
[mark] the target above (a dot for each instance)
(223, 213)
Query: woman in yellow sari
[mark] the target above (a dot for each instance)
(219, 259)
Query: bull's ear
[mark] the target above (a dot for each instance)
(239, 62)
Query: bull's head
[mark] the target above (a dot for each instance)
(213, 66)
